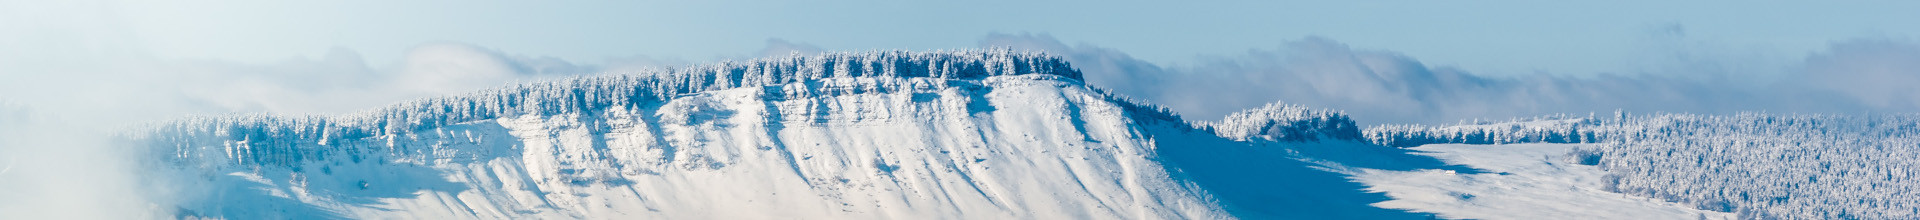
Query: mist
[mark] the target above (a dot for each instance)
(62, 113)
(64, 102)
(1381, 87)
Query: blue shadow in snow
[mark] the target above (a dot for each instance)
(1265, 181)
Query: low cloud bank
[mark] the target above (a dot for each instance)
(1375, 86)
(59, 113)
(60, 107)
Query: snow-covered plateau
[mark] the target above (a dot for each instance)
(990, 134)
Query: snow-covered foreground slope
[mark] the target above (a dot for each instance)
(1753, 165)
(1520, 181)
(962, 135)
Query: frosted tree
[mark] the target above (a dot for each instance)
(1286, 122)
(1755, 165)
(285, 141)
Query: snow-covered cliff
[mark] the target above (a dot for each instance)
(985, 134)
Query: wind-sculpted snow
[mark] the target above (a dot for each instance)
(1754, 165)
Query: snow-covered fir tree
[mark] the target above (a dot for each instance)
(1286, 122)
(275, 140)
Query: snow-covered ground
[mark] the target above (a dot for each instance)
(1013, 147)
(981, 135)
(1517, 181)
(1754, 165)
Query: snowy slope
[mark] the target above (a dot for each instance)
(1011, 152)
(1521, 181)
(962, 135)
(1752, 165)
(990, 134)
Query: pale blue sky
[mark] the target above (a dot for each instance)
(1485, 37)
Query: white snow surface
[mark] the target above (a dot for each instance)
(1520, 181)
(1012, 147)
(1755, 165)
(890, 135)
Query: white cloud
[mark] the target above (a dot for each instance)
(1386, 87)
(62, 111)
(445, 68)
(59, 108)
(1883, 74)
